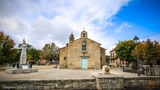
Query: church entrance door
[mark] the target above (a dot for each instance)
(84, 63)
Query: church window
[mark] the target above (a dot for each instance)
(83, 47)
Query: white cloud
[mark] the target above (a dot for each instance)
(55, 30)
(122, 27)
(15, 28)
(44, 21)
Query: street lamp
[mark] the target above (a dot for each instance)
(138, 62)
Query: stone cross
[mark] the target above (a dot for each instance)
(23, 53)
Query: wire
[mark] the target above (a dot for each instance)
(149, 35)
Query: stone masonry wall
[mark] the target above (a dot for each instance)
(103, 56)
(75, 53)
(49, 84)
(142, 82)
(63, 55)
(109, 83)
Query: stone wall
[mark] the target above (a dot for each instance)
(49, 84)
(140, 83)
(75, 54)
(133, 83)
(103, 57)
(110, 83)
(63, 57)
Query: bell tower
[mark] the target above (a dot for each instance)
(83, 33)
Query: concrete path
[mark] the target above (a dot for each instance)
(51, 73)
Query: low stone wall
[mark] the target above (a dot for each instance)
(108, 83)
(49, 84)
(142, 82)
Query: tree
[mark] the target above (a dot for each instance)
(33, 54)
(156, 52)
(151, 52)
(50, 52)
(6, 51)
(140, 47)
(15, 55)
(148, 51)
(124, 50)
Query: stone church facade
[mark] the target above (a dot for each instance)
(82, 53)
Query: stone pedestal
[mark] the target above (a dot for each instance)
(24, 68)
(109, 81)
(20, 71)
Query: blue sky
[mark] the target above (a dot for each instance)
(106, 21)
(143, 15)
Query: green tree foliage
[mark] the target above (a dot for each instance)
(6, 51)
(124, 50)
(50, 52)
(33, 54)
(15, 53)
(148, 51)
(140, 47)
(156, 52)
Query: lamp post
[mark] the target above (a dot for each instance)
(138, 62)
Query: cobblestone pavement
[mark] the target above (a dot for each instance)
(51, 73)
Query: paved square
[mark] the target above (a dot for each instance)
(51, 73)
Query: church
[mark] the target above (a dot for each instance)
(82, 53)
